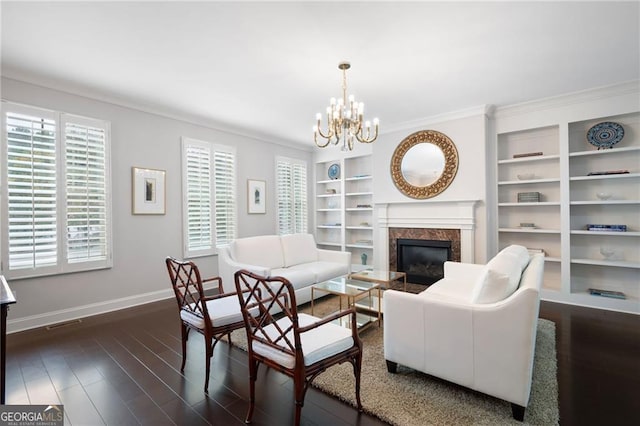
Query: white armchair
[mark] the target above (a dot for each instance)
(474, 327)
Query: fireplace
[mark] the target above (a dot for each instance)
(422, 260)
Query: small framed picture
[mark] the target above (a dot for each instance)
(148, 191)
(256, 196)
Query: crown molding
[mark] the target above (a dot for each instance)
(480, 110)
(95, 95)
(620, 89)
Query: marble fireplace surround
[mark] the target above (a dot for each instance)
(433, 220)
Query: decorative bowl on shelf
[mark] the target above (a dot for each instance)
(607, 252)
(603, 195)
(526, 176)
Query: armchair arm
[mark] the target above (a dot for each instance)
(220, 289)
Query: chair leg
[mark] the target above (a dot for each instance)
(253, 375)
(299, 389)
(208, 356)
(185, 334)
(357, 368)
(518, 412)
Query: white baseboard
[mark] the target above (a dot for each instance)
(63, 315)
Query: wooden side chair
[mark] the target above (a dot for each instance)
(213, 317)
(298, 345)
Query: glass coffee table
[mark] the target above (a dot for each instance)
(382, 277)
(363, 295)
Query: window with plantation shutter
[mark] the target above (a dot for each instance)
(291, 188)
(209, 201)
(55, 182)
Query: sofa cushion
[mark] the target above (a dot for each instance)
(325, 271)
(501, 275)
(298, 276)
(298, 248)
(264, 250)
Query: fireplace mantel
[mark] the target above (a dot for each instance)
(449, 214)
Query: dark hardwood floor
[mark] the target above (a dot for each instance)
(123, 368)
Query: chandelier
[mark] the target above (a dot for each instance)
(345, 118)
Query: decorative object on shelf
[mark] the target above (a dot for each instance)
(364, 224)
(607, 293)
(528, 225)
(603, 195)
(533, 251)
(363, 206)
(607, 252)
(364, 242)
(526, 176)
(528, 197)
(256, 196)
(363, 258)
(605, 135)
(148, 191)
(608, 172)
(424, 164)
(361, 176)
(345, 120)
(607, 228)
(330, 191)
(334, 171)
(527, 154)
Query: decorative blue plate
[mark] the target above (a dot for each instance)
(605, 134)
(334, 171)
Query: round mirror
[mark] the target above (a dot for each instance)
(424, 164)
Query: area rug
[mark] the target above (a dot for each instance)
(410, 398)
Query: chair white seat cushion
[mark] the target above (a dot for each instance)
(222, 311)
(317, 344)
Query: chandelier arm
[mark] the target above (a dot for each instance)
(329, 135)
(366, 139)
(315, 139)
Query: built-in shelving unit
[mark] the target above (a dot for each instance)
(344, 207)
(577, 258)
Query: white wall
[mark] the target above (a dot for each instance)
(140, 243)
(469, 134)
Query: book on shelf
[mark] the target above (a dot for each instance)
(608, 172)
(535, 250)
(607, 293)
(608, 228)
(527, 154)
(528, 197)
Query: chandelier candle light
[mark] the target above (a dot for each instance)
(345, 120)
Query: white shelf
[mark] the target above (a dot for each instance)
(539, 204)
(603, 177)
(353, 187)
(614, 263)
(529, 181)
(564, 179)
(330, 244)
(530, 231)
(530, 159)
(607, 233)
(614, 151)
(604, 202)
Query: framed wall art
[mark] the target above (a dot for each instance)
(256, 196)
(148, 191)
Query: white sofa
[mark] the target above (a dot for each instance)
(294, 257)
(476, 327)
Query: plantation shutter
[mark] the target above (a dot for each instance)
(209, 205)
(299, 191)
(56, 177)
(285, 202)
(291, 188)
(31, 190)
(224, 165)
(86, 190)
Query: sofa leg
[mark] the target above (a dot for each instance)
(392, 367)
(518, 412)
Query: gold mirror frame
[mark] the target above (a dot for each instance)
(450, 164)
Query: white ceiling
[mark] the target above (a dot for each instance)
(266, 68)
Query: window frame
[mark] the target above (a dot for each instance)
(295, 215)
(63, 265)
(212, 249)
